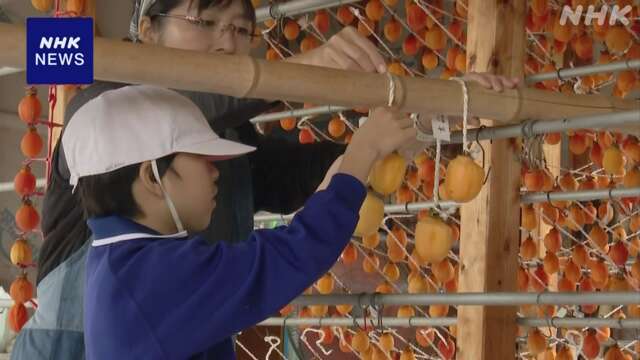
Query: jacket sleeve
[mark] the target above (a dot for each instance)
(285, 173)
(194, 295)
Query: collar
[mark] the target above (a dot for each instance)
(112, 229)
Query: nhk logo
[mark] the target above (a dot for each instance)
(59, 50)
(617, 14)
(54, 58)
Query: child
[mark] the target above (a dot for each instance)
(141, 158)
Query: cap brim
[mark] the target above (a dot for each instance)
(218, 149)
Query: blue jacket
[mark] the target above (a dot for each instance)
(149, 296)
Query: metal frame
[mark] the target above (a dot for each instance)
(485, 299)
(296, 7)
(5, 70)
(447, 321)
(526, 198)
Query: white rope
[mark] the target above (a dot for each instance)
(436, 177)
(465, 111)
(392, 89)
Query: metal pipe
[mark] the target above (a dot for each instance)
(8, 186)
(527, 128)
(8, 70)
(526, 198)
(447, 321)
(495, 298)
(320, 110)
(296, 7)
(584, 195)
(534, 127)
(565, 73)
(580, 322)
(388, 209)
(344, 321)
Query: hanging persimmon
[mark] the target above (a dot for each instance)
(384, 288)
(344, 309)
(553, 240)
(31, 143)
(25, 182)
(366, 26)
(464, 179)
(29, 108)
(288, 124)
(551, 263)
(325, 284)
(590, 345)
(572, 271)
(443, 271)
(349, 254)
(566, 285)
(344, 15)
(416, 17)
(433, 239)
(552, 138)
(391, 271)
(429, 60)
(528, 217)
(618, 39)
(387, 174)
(42, 5)
(21, 290)
(336, 127)
(21, 254)
(396, 68)
(613, 160)
(395, 251)
(435, 39)
(407, 354)
(447, 348)
(578, 144)
(27, 217)
(528, 249)
(308, 43)
(579, 255)
(321, 21)
(370, 263)
(392, 30)
(371, 215)
(632, 178)
(17, 317)
(374, 10)
(619, 253)
(76, 6)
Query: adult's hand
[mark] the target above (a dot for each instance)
(346, 50)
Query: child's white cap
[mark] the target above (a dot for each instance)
(138, 123)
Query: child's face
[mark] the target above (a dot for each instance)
(192, 188)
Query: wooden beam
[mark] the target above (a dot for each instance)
(490, 223)
(244, 76)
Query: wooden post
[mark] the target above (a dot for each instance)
(490, 223)
(65, 93)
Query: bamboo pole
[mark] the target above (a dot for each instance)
(243, 76)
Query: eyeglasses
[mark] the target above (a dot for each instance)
(211, 26)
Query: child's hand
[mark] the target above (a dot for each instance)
(385, 131)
